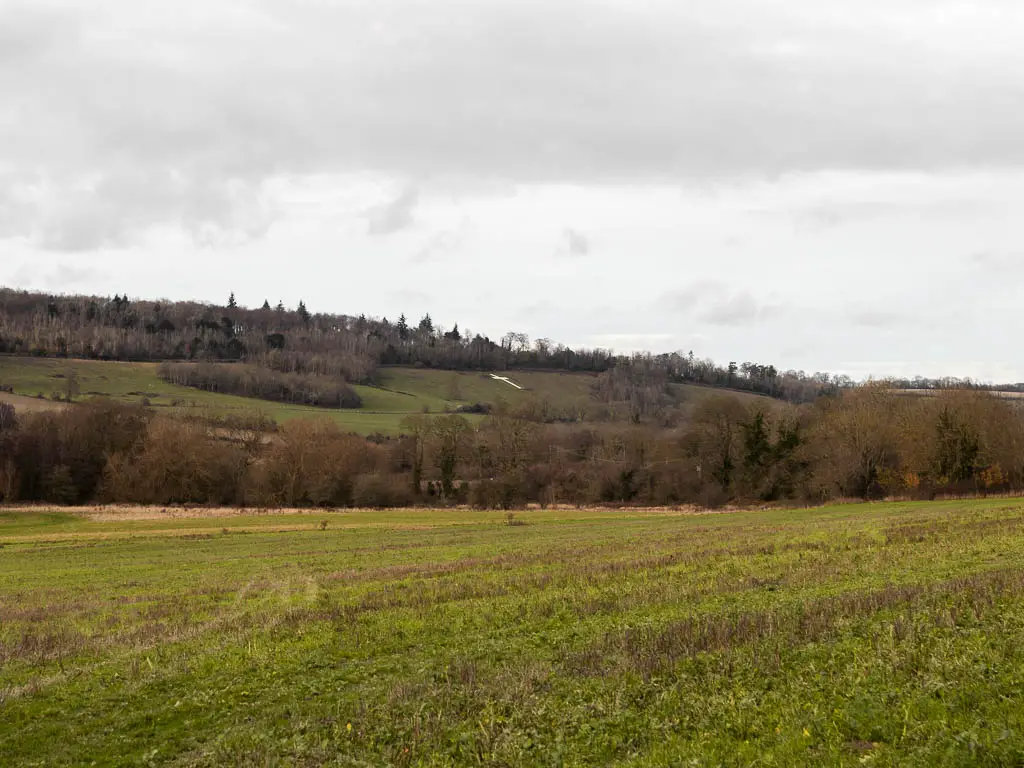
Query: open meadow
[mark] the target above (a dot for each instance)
(881, 634)
(35, 383)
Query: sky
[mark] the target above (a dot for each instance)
(824, 185)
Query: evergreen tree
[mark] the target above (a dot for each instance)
(303, 312)
(426, 324)
(266, 304)
(403, 328)
(280, 306)
(232, 302)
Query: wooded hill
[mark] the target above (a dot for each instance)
(353, 348)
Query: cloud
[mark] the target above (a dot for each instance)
(395, 215)
(736, 310)
(59, 277)
(995, 264)
(575, 243)
(210, 101)
(714, 303)
(830, 215)
(881, 319)
(437, 245)
(65, 276)
(631, 342)
(112, 209)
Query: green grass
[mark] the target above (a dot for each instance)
(382, 411)
(401, 391)
(886, 634)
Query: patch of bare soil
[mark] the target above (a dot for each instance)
(110, 514)
(24, 404)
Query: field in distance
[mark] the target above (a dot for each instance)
(401, 391)
(883, 634)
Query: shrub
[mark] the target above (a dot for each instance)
(59, 486)
(382, 491)
(476, 408)
(712, 497)
(8, 418)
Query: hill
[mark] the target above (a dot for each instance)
(41, 382)
(355, 349)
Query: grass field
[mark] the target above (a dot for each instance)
(886, 634)
(401, 391)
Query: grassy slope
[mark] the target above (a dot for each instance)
(402, 391)
(878, 634)
(382, 410)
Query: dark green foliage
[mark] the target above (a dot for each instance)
(957, 448)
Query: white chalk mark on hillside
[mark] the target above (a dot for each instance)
(505, 379)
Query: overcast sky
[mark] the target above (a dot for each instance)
(820, 184)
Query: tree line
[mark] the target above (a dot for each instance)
(867, 442)
(297, 341)
(288, 340)
(263, 383)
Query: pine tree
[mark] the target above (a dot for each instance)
(303, 312)
(232, 303)
(403, 328)
(280, 306)
(266, 304)
(426, 324)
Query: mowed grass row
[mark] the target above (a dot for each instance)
(887, 634)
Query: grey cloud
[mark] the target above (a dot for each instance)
(59, 277)
(438, 245)
(25, 275)
(714, 303)
(110, 210)
(689, 298)
(994, 263)
(736, 310)
(65, 276)
(395, 215)
(411, 297)
(882, 319)
(830, 215)
(576, 243)
(230, 94)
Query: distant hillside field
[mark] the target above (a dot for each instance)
(401, 391)
(382, 411)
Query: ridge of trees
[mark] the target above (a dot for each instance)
(352, 348)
